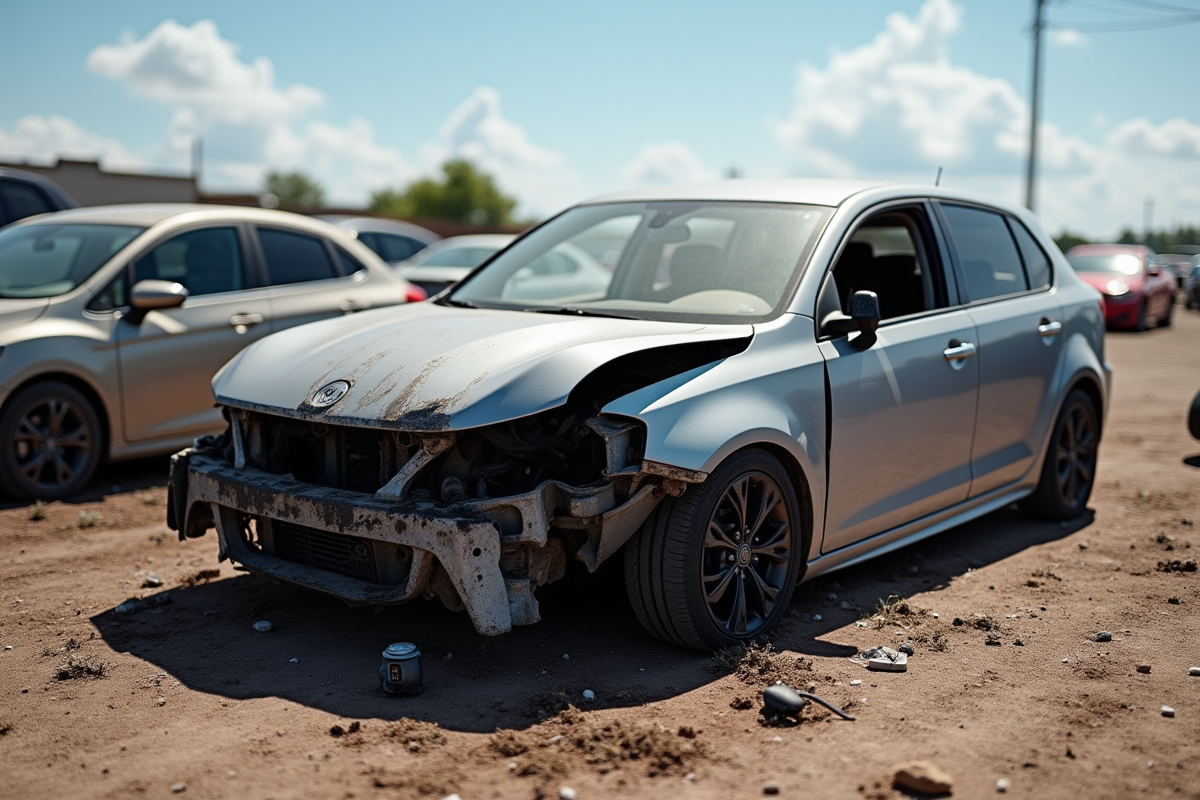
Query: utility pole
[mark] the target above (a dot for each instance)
(197, 161)
(1034, 103)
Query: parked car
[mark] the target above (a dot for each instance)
(114, 319)
(391, 239)
(24, 194)
(1194, 417)
(1138, 293)
(1177, 263)
(1191, 285)
(563, 269)
(779, 379)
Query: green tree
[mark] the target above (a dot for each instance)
(1128, 237)
(1066, 240)
(463, 193)
(294, 190)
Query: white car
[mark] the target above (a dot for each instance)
(778, 379)
(567, 269)
(114, 319)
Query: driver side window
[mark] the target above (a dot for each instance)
(206, 261)
(889, 254)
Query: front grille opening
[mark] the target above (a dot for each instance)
(356, 459)
(381, 563)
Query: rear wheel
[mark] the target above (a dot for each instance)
(1069, 470)
(1141, 323)
(717, 566)
(1165, 322)
(51, 442)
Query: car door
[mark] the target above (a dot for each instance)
(168, 358)
(1018, 322)
(311, 279)
(901, 412)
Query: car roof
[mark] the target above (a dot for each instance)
(149, 214)
(476, 240)
(1110, 249)
(810, 191)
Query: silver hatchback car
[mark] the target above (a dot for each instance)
(114, 319)
(780, 379)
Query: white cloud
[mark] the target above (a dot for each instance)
(1068, 37)
(46, 139)
(477, 130)
(196, 68)
(1175, 138)
(666, 162)
(897, 107)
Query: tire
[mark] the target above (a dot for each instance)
(1165, 322)
(1069, 471)
(55, 414)
(1141, 323)
(750, 581)
(1194, 417)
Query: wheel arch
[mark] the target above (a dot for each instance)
(84, 387)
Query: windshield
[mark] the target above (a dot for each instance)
(46, 260)
(1115, 264)
(684, 261)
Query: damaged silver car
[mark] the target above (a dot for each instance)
(780, 379)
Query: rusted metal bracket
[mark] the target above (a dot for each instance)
(431, 448)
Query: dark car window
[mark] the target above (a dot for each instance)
(207, 261)
(295, 257)
(986, 251)
(397, 248)
(19, 199)
(889, 255)
(1037, 263)
(347, 262)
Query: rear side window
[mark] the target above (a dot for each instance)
(1037, 263)
(349, 263)
(295, 257)
(986, 251)
(207, 261)
(19, 200)
(396, 248)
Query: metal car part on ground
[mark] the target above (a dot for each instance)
(778, 380)
(113, 321)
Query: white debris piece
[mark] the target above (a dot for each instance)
(589, 695)
(566, 793)
(1002, 785)
(1167, 711)
(262, 626)
(1193, 671)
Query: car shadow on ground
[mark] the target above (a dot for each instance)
(323, 654)
(136, 475)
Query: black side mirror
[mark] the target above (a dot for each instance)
(864, 318)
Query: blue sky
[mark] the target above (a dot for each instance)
(564, 100)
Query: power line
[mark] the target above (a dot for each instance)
(1125, 26)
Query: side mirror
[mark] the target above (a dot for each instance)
(147, 296)
(1153, 270)
(864, 318)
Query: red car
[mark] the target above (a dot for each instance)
(1137, 293)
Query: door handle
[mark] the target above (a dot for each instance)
(1048, 328)
(245, 319)
(958, 352)
(350, 306)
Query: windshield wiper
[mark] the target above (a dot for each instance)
(449, 301)
(575, 311)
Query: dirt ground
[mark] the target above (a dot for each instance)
(1008, 680)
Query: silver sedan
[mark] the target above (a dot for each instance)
(114, 319)
(777, 379)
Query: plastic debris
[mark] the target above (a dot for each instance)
(1167, 711)
(883, 659)
(262, 626)
(179, 787)
(566, 793)
(589, 695)
(781, 700)
(1194, 672)
(1002, 785)
(293, 661)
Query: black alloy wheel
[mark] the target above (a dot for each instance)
(1069, 471)
(716, 566)
(51, 440)
(747, 550)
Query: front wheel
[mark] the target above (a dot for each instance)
(51, 442)
(716, 567)
(1069, 470)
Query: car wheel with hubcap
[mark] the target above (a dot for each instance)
(51, 439)
(716, 567)
(1069, 470)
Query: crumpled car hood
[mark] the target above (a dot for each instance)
(426, 367)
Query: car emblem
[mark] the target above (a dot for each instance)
(329, 394)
